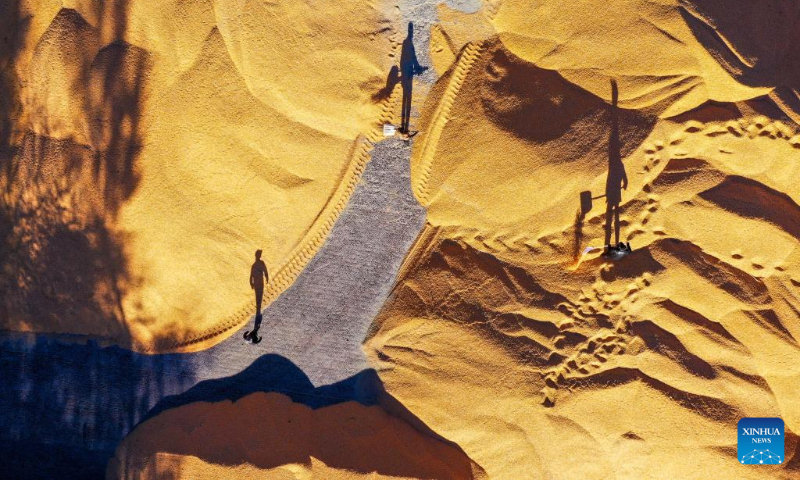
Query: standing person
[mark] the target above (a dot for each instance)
(409, 66)
(258, 276)
(617, 180)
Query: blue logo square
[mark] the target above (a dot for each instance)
(761, 441)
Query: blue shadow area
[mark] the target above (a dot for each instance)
(274, 373)
(66, 405)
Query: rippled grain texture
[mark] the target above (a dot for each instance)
(507, 316)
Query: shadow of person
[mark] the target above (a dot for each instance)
(409, 66)
(391, 81)
(258, 276)
(617, 180)
(253, 335)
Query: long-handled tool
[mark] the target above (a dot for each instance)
(586, 201)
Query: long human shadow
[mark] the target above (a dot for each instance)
(409, 67)
(275, 373)
(617, 179)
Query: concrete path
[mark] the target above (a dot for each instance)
(320, 322)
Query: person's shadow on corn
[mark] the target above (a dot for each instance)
(409, 66)
(617, 180)
(258, 277)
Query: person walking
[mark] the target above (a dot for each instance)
(409, 66)
(258, 277)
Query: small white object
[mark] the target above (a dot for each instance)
(388, 130)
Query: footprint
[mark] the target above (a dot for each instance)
(677, 138)
(734, 128)
(761, 121)
(768, 131)
(784, 131)
(693, 126)
(716, 131)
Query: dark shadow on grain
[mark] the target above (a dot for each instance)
(274, 373)
(64, 263)
(63, 266)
